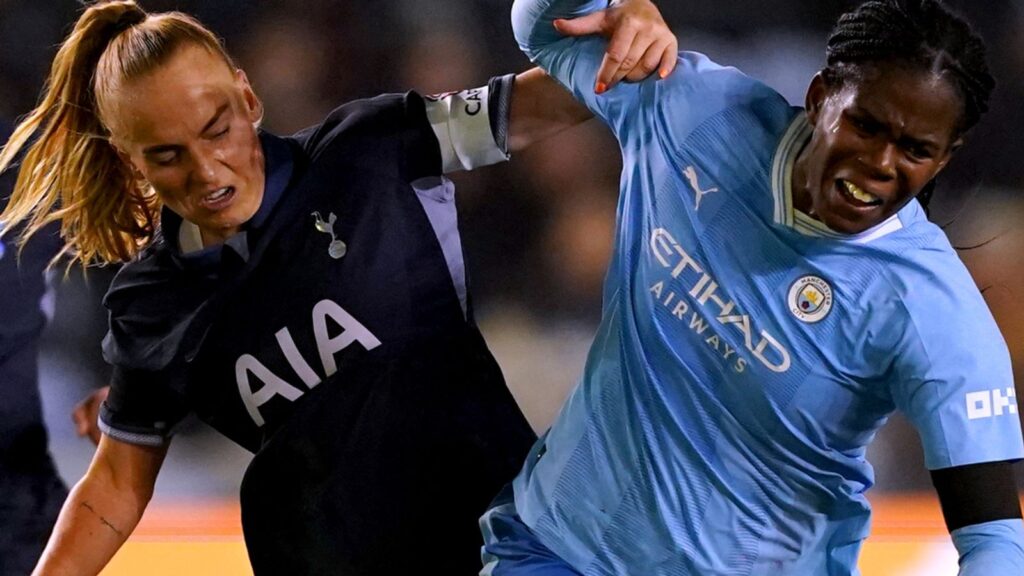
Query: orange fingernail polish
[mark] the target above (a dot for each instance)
(600, 88)
(663, 73)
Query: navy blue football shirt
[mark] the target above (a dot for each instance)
(334, 338)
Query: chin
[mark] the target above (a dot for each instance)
(841, 217)
(844, 226)
(219, 223)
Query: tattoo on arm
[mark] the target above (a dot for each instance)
(105, 522)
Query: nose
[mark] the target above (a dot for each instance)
(881, 161)
(204, 166)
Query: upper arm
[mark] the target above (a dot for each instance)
(953, 376)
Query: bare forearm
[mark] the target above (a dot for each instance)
(94, 523)
(540, 109)
(102, 509)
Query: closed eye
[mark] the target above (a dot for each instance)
(165, 158)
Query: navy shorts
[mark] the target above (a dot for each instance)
(511, 549)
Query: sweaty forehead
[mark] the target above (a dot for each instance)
(176, 99)
(906, 97)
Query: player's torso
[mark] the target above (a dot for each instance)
(350, 276)
(738, 375)
(773, 328)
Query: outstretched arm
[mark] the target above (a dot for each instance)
(533, 107)
(540, 109)
(953, 378)
(102, 509)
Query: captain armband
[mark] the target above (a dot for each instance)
(472, 125)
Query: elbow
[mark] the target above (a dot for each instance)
(526, 26)
(101, 484)
(133, 485)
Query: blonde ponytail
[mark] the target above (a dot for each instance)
(70, 171)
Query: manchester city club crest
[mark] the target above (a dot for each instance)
(810, 298)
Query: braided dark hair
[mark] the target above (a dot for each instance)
(922, 33)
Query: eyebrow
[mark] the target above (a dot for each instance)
(918, 141)
(923, 142)
(209, 124)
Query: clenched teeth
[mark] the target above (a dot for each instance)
(218, 194)
(860, 194)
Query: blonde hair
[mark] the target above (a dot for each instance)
(71, 171)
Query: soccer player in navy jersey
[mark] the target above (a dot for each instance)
(776, 292)
(305, 296)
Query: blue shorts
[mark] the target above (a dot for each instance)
(511, 549)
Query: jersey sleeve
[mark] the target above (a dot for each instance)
(953, 376)
(151, 310)
(143, 407)
(389, 134)
(413, 136)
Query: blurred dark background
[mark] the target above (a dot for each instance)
(537, 230)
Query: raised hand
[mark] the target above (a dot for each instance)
(639, 41)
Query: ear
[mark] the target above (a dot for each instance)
(127, 159)
(815, 99)
(252, 102)
(949, 154)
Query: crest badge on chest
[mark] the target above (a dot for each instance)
(336, 249)
(810, 298)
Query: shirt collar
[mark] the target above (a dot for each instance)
(279, 164)
(793, 141)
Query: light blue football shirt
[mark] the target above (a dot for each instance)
(747, 355)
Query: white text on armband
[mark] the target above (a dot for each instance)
(462, 125)
(991, 403)
(327, 346)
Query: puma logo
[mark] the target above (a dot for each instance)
(691, 176)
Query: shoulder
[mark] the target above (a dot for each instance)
(945, 314)
(150, 302)
(708, 87)
(706, 104)
(382, 130)
(141, 280)
(923, 264)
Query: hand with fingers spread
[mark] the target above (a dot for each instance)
(639, 41)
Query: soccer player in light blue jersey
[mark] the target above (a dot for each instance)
(776, 292)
